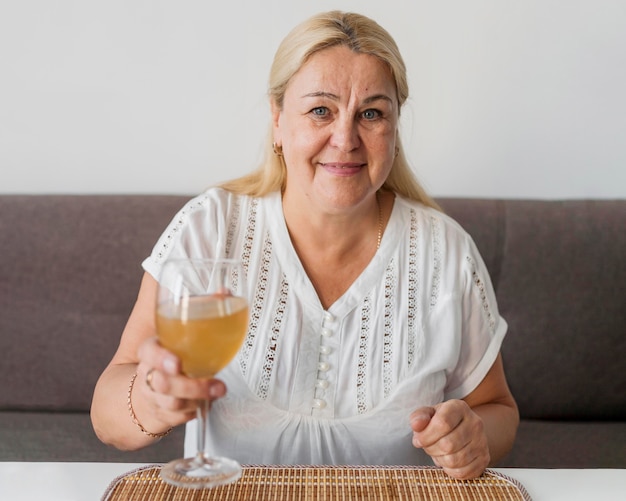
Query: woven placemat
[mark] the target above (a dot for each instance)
(324, 483)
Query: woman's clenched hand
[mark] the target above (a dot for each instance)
(452, 434)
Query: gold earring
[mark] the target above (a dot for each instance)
(397, 150)
(278, 149)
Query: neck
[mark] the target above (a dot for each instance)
(336, 234)
(334, 250)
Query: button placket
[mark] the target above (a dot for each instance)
(323, 365)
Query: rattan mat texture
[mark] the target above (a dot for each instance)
(324, 483)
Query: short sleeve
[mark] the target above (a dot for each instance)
(482, 329)
(197, 230)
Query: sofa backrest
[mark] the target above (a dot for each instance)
(559, 270)
(70, 268)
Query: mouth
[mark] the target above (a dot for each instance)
(342, 165)
(342, 169)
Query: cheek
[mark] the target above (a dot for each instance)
(304, 142)
(383, 146)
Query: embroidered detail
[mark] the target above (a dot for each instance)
(413, 285)
(434, 292)
(257, 305)
(362, 360)
(232, 225)
(175, 228)
(249, 235)
(390, 286)
(270, 352)
(480, 286)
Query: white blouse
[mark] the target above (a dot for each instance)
(312, 386)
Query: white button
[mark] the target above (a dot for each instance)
(328, 317)
(318, 403)
(322, 383)
(325, 350)
(323, 366)
(326, 332)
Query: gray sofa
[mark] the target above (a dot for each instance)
(70, 269)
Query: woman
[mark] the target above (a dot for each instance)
(375, 336)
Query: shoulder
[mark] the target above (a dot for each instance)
(212, 198)
(445, 247)
(213, 205)
(434, 223)
(202, 221)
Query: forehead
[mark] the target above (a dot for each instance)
(339, 70)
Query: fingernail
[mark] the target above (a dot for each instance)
(420, 417)
(170, 365)
(416, 441)
(215, 390)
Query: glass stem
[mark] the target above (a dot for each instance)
(202, 414)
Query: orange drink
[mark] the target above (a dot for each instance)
(205, 332)
(202, 317)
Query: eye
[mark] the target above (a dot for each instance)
(371, 114)
(320, 111)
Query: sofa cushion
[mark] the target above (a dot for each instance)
(60, 436)
(70, 270)
(568, 444)
(559, 271)
(69, 275)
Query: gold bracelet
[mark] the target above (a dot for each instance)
(134, 418)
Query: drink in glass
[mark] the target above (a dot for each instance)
(202, 317)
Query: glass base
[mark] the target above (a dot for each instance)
(201, 472)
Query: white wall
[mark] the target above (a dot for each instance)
(509, 98)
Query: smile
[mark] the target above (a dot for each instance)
(342, 169)
(342, 165)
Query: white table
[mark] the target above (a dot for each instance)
(88, 481)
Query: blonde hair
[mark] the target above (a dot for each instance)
(360, 34)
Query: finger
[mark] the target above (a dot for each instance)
(447, 418)
(215, 389)
(464, 452)
(452, 450)
(174, 411)
(468, 470)
(421, 417)
(170, 407)
(173, 405)
(186, 388)
(437, 434)
(153, 355)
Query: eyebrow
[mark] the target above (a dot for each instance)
(333, 97)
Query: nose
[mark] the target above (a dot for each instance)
(345, 135)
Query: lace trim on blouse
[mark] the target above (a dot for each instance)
(413, 287)
(480, 287)
(272, 346)
(232, 226)
(390, 286)
(249, 235)
(176, 227)
(434, 293)
(361, 401)
(259, 296)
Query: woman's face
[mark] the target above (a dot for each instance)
(338, 129)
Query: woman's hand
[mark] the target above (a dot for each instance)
(453, 435)
(161, 395)
(169, 398)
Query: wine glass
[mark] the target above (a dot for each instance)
(202, 317)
